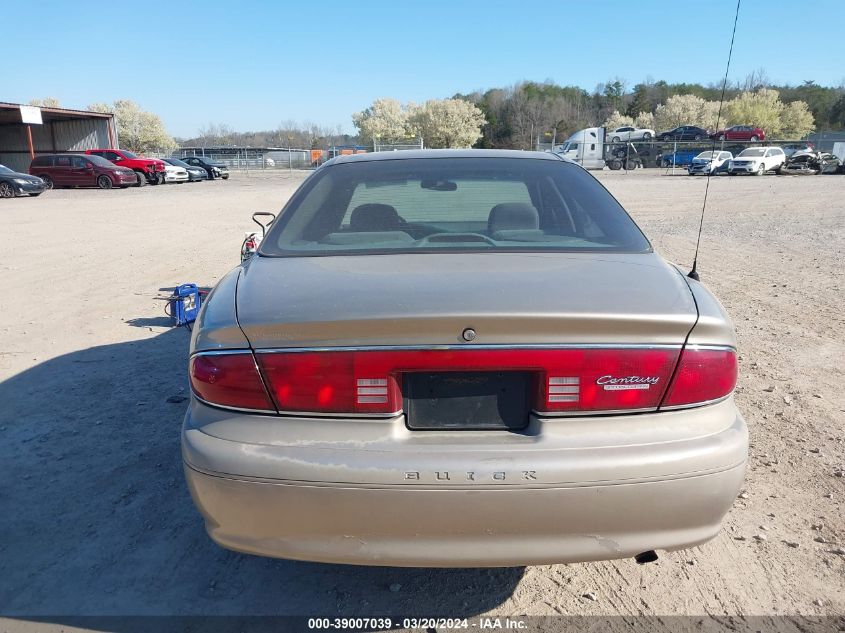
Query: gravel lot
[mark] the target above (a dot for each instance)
(95, 518)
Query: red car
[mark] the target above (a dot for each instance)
(78, 170)
(740, 133)
(148, 170)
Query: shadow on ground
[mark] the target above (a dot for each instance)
(96, 519)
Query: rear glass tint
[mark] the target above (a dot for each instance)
(447, 204)
(42, 161)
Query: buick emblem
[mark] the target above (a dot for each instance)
(468, 334)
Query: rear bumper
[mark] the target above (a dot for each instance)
(394, 497)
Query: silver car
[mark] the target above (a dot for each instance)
(461, 358)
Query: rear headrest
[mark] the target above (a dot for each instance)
(512, 216)
(374, 217)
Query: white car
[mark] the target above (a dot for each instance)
(172, 173)
(709, 163)
(757, 160)
(628, 133)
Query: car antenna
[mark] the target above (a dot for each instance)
(693, 273)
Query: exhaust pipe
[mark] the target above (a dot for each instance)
(646, 557)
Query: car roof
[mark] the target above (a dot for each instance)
(445, 153)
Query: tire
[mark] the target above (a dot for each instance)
(225, 176)
(104, 182)
(760, 170)
(48, 182)
(697, 137)
(646, 136)
(754, 139)
(615, 164)
(615, 139)
(142, 178)
(721, 137)
(7, 190)
(630, 164)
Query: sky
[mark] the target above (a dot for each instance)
(255, 64)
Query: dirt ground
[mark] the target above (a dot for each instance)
(95, 518)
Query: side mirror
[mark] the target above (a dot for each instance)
(89, 166)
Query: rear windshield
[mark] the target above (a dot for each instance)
(452, 204)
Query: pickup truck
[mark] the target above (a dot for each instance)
(148, 170)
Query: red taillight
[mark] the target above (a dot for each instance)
(702, 375)
(565, 379)
(229, 380)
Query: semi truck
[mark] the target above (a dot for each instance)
(589, 148)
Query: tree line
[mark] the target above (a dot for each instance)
(520, 114)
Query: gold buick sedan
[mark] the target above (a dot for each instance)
(455, 359)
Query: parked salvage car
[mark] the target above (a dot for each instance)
(172, 173)
(684, 133)
(147, 170)
(680, 158)
(810, 162)
(13, 184)
(214, 169)
(740, 133)
(629, 133)
(757, 161)
(195, 174)
(80, 170)
(460, 358)
(710, 162)
(791, 148)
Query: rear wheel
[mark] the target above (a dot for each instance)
(6, 190)
(754, 138)
(721, 137)
(646, 136)
(104, 182)
(142, 178)
(697, 137)
(48, 182)
(615, 164)
(615, 139)
(630, 164)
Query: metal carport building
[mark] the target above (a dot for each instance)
(60, 130)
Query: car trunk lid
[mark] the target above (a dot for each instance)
(431, 300)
